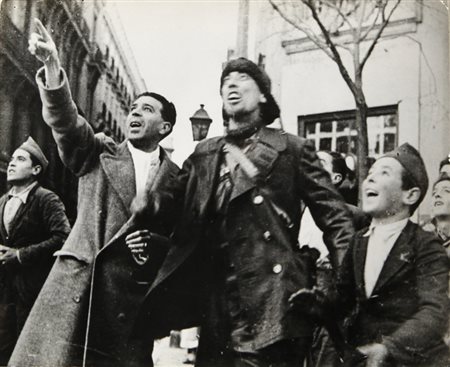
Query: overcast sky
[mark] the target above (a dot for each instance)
(179, 47)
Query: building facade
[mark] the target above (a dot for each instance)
(102, 73)
(405, 81)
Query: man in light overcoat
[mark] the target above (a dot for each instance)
(87, 308)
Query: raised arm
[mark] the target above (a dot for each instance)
(77, 145)
(327, 207)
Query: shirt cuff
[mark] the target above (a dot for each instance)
(18, 256)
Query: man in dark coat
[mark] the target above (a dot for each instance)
(235, 262)
(34, 225)
(87, 308)
(396, 274)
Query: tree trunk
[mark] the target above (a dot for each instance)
(361, 126)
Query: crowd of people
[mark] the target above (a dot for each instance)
(250, 241)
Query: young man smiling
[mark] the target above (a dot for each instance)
(34, 225)
(396, 272)
(95, 289)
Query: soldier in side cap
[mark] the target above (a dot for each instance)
(33, 226)
(396, 272)
(235, 264)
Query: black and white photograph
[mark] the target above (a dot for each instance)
(224, 183)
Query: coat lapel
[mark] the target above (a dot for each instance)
(400, 255)
(163, 173)
(22, 210)
(2, 226)
(119, 170)
(161, 176)
(359, 260)
(263, 155)
(208, 173)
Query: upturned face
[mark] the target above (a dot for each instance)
(20, 168)
(240, 94)
(441, 199)
(382, 189)
(144, 121)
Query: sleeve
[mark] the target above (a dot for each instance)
(56, 225)
(419, 333)
(78, 147)
(344, 300)
(327, 207)
(166, 205)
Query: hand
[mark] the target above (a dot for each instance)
(376, 354)
(7, 255)
(309, 301)
(42, 46)
(138, 242)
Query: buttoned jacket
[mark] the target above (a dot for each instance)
(85, 311)
(408, 307)
(38, 229)
(267, 267)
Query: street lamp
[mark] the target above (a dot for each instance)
(200, 123)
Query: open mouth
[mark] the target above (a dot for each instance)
(234, 97)
(438, 203)
(135, 124)
(371, 193)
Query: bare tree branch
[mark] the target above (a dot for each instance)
(378, 35)
(311, 36)
(338, 9)
(371, 27)
(337, 57)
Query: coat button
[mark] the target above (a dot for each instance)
(121, 317)
(77, 299)
(258, 199)
(267, 235)
(277, 268)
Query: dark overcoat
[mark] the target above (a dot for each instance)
(408, 308)
(85, 311)
(267, 268)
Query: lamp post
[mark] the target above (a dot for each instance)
(200, 123)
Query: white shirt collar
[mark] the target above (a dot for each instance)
(23, 195)
(152, 157)
(388, 228)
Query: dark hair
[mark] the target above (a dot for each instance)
(408, 183)
(168, 111)
(338, 164)
(35, 162)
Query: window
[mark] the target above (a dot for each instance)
(337, 131)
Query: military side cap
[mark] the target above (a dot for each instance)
(33, 148)
(442, 177)
(444, 162)
(412, 162)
